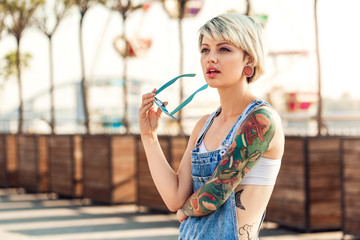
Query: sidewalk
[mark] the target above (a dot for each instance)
(43, 216)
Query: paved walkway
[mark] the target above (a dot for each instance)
(42, 216)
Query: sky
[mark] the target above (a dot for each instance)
(290, 27)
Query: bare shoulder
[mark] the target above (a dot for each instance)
(199, 125)
(197, 129)
(272, 114)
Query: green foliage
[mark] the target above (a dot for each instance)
(9, 69)
(2, 18)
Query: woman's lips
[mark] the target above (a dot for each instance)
(212, 72)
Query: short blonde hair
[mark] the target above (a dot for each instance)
(242, 31)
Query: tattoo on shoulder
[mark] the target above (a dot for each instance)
(251, 141)
(238, 200)
(246, 232)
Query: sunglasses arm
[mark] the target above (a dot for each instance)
(172, 81)
(188, 100)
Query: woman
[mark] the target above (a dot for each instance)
(228, 171)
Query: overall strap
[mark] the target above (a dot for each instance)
(206, 126)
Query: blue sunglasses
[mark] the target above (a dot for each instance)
(161, 105)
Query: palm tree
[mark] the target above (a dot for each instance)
(2, 17)
(320, 122)
(59, 9)
(20, 13)
(181, 66)
(179, 14)
(84, 6)
(124, 8)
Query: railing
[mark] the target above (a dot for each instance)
(317, 187)
(294, 124)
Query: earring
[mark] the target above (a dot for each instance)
(248, 71)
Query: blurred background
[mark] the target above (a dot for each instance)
(310, 60)
(72, 73)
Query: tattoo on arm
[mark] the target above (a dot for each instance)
(246, 232)
(238, 200)
(251, 142)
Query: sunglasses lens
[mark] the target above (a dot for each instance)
(161, 105)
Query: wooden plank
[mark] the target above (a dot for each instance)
(287, 204)
(43, 163)
(351, 186)
(12, 160)
(352, 174)
(96, 168)
(288, 194)
(124, 169)
(352, 228)
(78, 183)
(323, 144)
(178, 147)
(147, 193)
(287, 213)
(351, 145)
(61, 164)
(3, 163)
(28, 167)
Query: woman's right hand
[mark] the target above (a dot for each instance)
(148, 117)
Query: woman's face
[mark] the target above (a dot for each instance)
(222, 63)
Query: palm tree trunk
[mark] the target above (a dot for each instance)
(319, 118)
(83, 80)
(51, 78)
(181, 64)
(248, 8)
(124, 77)
(21, 101)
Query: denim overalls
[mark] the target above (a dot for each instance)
(222, 223)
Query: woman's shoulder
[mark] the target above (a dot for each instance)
(270, 111)
(276, 147)
(200, 124)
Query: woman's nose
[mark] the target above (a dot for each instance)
(212, 58)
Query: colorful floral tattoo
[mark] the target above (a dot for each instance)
(251, 142)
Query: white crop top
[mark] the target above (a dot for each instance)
(264, 172)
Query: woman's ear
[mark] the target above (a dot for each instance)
(249, 61)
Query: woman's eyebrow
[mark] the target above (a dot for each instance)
(219, 44)
(223, 43)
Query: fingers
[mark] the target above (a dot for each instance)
(145, 107)
(159, 111)
(148, 95)
(147, 103)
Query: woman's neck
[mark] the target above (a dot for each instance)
(234, 100)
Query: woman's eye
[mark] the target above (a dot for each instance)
(223, 49)
(204, 50)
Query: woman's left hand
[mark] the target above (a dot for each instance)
(181, 216)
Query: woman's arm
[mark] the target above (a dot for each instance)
(251, 141)
(174, 188)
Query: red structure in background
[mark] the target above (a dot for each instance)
(300, 101)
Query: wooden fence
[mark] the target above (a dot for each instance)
(350, 166)
(173, 148)
(8, 161)
(318, 187)
(65, 165)
(307, 192)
